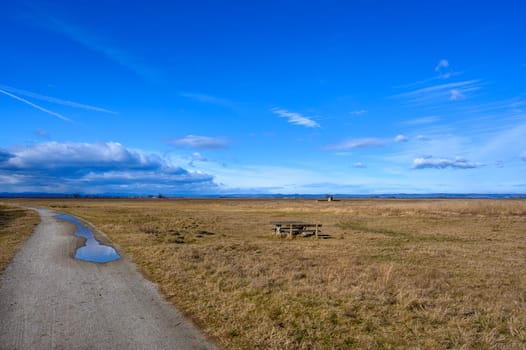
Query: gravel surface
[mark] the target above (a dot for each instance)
(49, 300)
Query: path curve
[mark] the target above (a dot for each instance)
(48, 300)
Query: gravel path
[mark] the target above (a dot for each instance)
(48, 300)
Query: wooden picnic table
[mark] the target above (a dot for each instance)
(292, 228)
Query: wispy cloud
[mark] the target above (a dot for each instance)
(206, 99)
(202, 142)
(55, 114)
(97, 43)
(441, 65)
(456, 95)
(196, 156)
(443, 163)
(401, 138)
(442, 68)
(421, 121)
(41, 133)
(358, 165)
(422, 138)
(452, 91)
(358, 143)
(117, 55)
(55, 100)
(358, 112)
(511, 106)
(295, 118)
(441, 87)
(365, 142)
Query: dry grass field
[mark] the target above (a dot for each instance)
(394, 274)
(16, 225)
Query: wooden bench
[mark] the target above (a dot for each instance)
(292, 228)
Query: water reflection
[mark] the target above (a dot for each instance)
(92, 250)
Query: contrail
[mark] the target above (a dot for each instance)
(58, 115)
(56, 100)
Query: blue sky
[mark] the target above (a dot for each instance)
(203, 97)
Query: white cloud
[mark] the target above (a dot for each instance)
(296, 118)
(441, 65)
(34, 105)
(443, 163)
(203, 142)
(443, 69)
(10, 180)
(358, 143)
(401, 138)
(59, 156)
(196, 156)
(358, 165)
(94, 168)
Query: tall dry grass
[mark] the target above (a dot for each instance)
(395, 274)
(16, 225)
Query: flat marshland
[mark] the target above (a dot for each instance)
(393, 274)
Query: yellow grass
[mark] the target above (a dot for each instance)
(395, 274)
(16, 225)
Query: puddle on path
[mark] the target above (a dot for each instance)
(92, 250)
